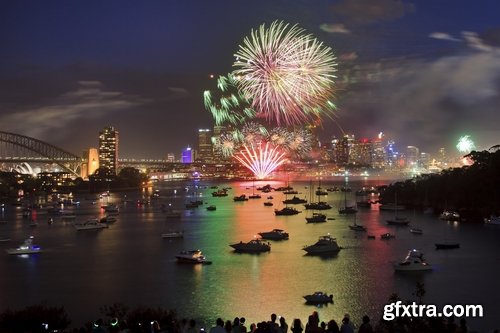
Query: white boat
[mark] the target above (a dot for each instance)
(416, 231)
(192, 257)
(492, 220)
(275, 234)
(253, 246)
(413, 262)
(91, 224)
(26, 248)
(173, 234)
(325, 244)
(318, 297)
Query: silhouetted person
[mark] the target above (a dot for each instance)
(366, 327)
(228, 326)
(346, 326)
(236, 326)
(243, 328)
(283, 325)
(332, 327)
(273, 325)
(219, 326)
(297, 326)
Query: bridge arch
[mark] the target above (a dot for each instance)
(45, 152)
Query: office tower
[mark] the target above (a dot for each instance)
(379, 156)
(171, 157)
(412, 156)
(108, 149)
(342, 150)
(205, 150)
(187, 155)
(360, 153)
(90, 155)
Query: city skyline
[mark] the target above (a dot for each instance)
(69, 69)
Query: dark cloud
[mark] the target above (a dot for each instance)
(370, 11)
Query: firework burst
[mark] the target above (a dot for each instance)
(287, 74)
(465, 144)
(261, 158)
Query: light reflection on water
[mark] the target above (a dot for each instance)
(130, 263)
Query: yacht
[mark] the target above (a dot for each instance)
(316, 218)
(268, 203)
(220, 193)
(399, 221)
(173, 234)
(320, 205)
(348, 210)
(212, 207)
(325, 244)
(26, 248)
(90, 224)
(253, 246)
(449, 215)
(254, 196)
(242, 197)
(320, 191)
(286, 211)
(113, 209)
(416, 231)
(275, 234)
(192, 257)
(318, 297)
(387, 236)
(357, 227)
(413, 262)
(294, 201)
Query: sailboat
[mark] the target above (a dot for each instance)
(320, 205)
(347, 209)
(286, 210)
(397, 220)
(357, 227)
(254, 196)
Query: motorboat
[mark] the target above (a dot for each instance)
(286, 211)
(413, 262)
(348, 210)
(387, 236)
(90, 224)
(220, 193)
(171, 213)
(108, 219)
(192, 257)
(173, 234)
(111, 209)
(320, 191)
(275, 234)
(398, 221)
(316, 218)
(290, 192)
(447, 246)
(192, 204)
(357, 227)
(333, 189)
(318, 297)
(268, 203)
(253, 246)
(416, 231)
(320, 205)
(27, 247)
(325, 244)
(449, 215)
(294, 201)
(211, 208)
(242, 197)
(492, 220)
(254, 196)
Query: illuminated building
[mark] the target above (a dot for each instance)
(187, 155)
(108, 149)
(341, 152)
(392, 154)
(412, 156)
(171, 157)
(217, 153)
(205, 148)
(360, 152)
(90, 155)
(379, 155)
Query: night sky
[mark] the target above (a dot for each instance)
(422, 72)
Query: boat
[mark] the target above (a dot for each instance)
(347, 209)
(220, 193)
(413, 262)
(108, 219)
(318, 297)
(387, 236)
(270, 197)
(275, 234)
(294, 201)
(416, 231)
(333, 189)
(173, 234)
(320, 191)
(268, 203)
(316, 218)
(253, 246)
(171, 213)
(286, 211)
(211, 208)
(113, 209)
(193, 204)
(254, 196)
(320, 205)
(449, 215)
(325, 244)
(27, 247)
(492, 220)
(242, 197)
(447, 246)
(90, 224)
(357, 227)
(290, 192)
(192, 257)
(397, 220)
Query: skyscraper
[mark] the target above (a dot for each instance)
(205, 150)
(108, 149)
(187, 155)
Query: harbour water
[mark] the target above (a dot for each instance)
(130, 263)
